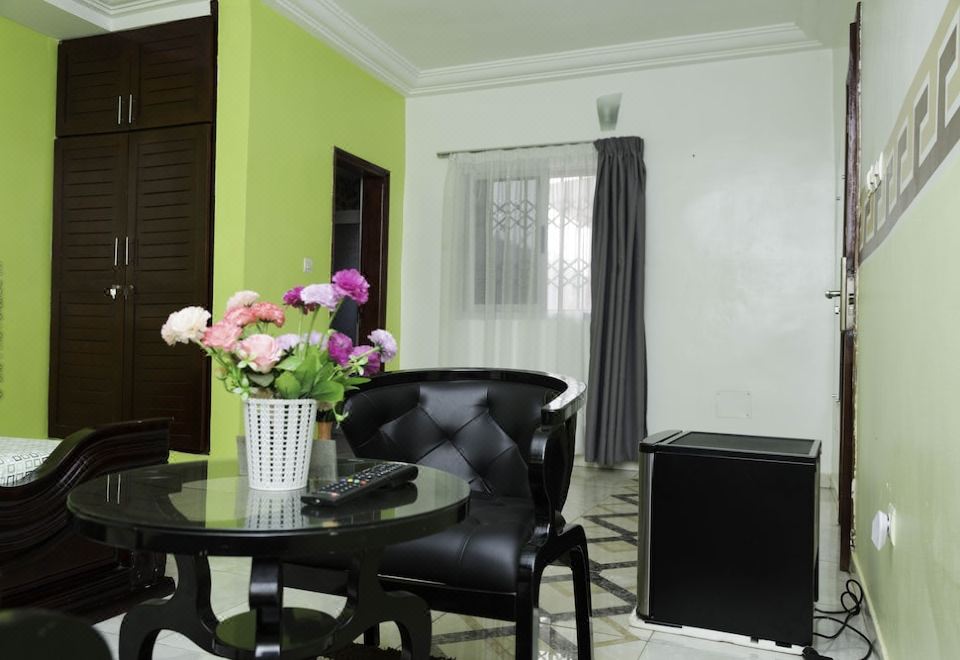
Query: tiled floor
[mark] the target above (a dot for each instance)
(604, 502)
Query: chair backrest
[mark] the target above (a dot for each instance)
(470, 423)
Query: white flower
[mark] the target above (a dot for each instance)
(242, 299)
(185, 326)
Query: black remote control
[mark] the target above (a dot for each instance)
(347, 488)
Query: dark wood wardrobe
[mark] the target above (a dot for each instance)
(132, 236)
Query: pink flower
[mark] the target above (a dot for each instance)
(352, 284)
(269, 313)
(323, 295)
(222, 335)
(373, 359)
(385, 342)
(261, 352)
(240, 317)
(339, 347)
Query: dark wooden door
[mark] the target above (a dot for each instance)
(848, 330)
(167, 268)
(87, 338)
(148, 78)
(173, 74)
(373, 252)
(364, 188)
(93, 85)
(131, 244)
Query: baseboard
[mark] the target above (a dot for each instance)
(580, 461)
(715, 636)
(871, 610)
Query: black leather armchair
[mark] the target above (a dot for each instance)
(510, 434)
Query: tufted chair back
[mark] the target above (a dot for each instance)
(475, 428)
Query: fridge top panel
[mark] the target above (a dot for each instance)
(761, 447)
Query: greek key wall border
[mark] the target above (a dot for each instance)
(927, 130)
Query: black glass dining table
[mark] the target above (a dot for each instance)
(200, 509)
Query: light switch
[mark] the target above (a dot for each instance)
(307, 265)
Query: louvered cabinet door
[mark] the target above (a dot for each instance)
(169, 268)
(87, 324)
(93, 85)
(175, 69)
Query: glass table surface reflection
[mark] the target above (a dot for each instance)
(197, 509)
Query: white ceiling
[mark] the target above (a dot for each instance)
(442, 33)
(435, 46)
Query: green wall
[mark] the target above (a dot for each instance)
(28, 79)
(285, 100)
(908, 417)
(908, 356)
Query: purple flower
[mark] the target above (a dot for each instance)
(339, 347)
(384, 341)
(288, 341)
(292, 297)
(323, 295)
(373, 359)
(318, 339)
(352, 284)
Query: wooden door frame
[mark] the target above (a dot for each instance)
(849, 333)
(377, 279)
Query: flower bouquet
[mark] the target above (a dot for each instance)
(283, 379)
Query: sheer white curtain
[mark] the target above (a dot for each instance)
(516, 259)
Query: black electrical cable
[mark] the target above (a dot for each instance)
(852, 603)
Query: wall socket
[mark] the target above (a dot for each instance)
(875, 174)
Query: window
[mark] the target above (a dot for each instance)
(531, 242)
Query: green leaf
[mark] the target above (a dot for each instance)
(327, 391)
(290, 363)
(263, 380)
(288, 386)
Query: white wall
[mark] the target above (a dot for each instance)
(740, 226)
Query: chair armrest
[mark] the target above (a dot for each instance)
(549, 466)
(566, 404)
(35, 506)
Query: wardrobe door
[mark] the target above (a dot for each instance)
(175, 74)
(168, 267)
(93, 85)
(86, 343)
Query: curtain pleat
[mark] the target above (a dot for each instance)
(617, 382)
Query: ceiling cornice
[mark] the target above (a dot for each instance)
(327, 21)
(615, 59)
(112, 15)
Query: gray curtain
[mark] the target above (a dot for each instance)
(617, 386)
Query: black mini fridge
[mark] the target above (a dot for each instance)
(728, 534)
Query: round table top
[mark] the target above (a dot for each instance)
(186, 508)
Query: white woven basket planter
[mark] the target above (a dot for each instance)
(279, 440)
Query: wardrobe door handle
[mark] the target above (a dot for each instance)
(126, 250)
(130, 110)
(116, 251)
(119, 110)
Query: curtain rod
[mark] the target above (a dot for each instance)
(445, 154)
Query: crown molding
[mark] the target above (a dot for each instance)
(673, 51)
(112, 15)
(327, 21)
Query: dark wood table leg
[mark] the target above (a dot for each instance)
(266, 599)
(368, 605)
(188, 612)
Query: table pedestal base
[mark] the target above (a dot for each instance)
(270, 631)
